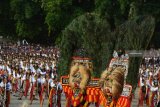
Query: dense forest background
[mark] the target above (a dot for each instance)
(98, 26)
(44, 20)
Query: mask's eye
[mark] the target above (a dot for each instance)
(107, 79)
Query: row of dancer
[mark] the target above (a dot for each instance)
(32, 84)
(149, 83)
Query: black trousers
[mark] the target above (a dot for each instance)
(158, 104)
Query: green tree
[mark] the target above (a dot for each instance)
(114, 11)
(27, 17)
(56, 11)
(136, 35)
(59, 13)
(6, 22)
(88, 31)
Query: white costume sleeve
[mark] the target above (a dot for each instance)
(43, 80)
(10, 86)
(9, 70)
(18, 75)
(39, 80)
(1, 84)
(33, 79)
(59, 86)
(24, 77)
(52, 75)
(14, 75)
(141, 84)
(154, 88)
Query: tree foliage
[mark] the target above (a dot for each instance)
(136, 35)
(27, 18)
(6, 22)
(89, 32)
(56, 11)
(93, 33)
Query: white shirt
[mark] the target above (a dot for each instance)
(59, 86)
(2, 84)
(52, 84)
(38, 70)
(154, 89)
(49, 81)
(14, 74)
(18, 76)
(52, 75)
(41, 80)
(33, 80)
(150, 73)
(24, 77)
(8, 86)
(141, 83)
(115, 54)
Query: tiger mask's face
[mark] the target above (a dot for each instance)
(111, 83)
(79, 77)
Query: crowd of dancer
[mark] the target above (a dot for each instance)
(29, 70)
(149, 75)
